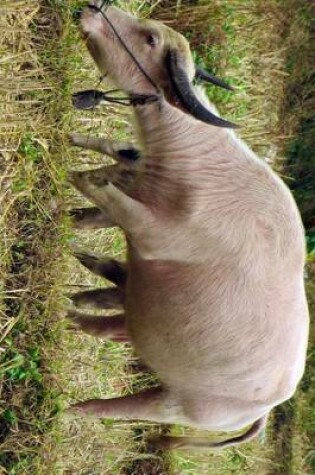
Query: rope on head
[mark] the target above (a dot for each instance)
(91, 98)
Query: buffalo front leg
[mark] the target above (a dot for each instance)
(129, 214)
(155, 405)
(94, 218)
(119, 151)
(90, 218)
(110, 328)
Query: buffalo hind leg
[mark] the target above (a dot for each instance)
(111, 297)
(110, 328)
(155, 405)
(110, 269)
(159, 405)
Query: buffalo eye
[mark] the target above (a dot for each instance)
(152, 40)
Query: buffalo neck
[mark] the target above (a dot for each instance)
(166, 131)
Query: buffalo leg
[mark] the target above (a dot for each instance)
(108, 298)
(128, 213)
(109, 328)
(119, 151)
(90, 218)
(94, 218)
(154, 404)
(110, 269)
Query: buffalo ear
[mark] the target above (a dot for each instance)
(207, 77)
(186, 95)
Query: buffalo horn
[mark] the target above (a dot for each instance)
(186, 95)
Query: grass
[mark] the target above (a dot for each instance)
(30, 240)
(43, 366)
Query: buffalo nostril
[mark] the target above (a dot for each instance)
(77, 13)
(93, 7)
